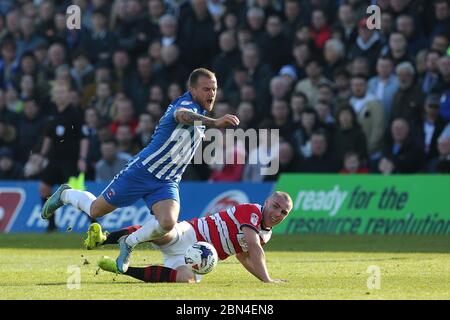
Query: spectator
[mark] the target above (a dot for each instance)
(30, 130)
(442, 163)
(401, 154)
(130, 32)
(168, 28)
(440, 43)
(155, 109)
(279, 88)
(281, 119)
(298, 103)
(309, 122)
(369, 113)
(91, 128)
(342, 86)
(349, 135)
(324, 112)
(9, 65)
(111, 162)
(140, 83)
(227, 58)
(384, 85)
(150, 27)
(7, 115)
(302, 53)
(145, 129)
(197, 32)
(321, 159)
(310, 85)
(9, 169)
(83, 71)
(368, 44)
(334, 54)
(431, 127)
(441, 25)
(289, 74)
(246, 114)
(126, 141)
(320, 30)
(8, 134)
(352, 164)
(409, 100)
(174, 91)
(415, 40)
(398, 48)
(326, 94)
(255, 21)
(124, 115)
(294, 13)
(258, 73)
(431, 75)
(103, 101)
(346, 24)
(274, 38)
(172, 70)
(28, 37)
(56, 57)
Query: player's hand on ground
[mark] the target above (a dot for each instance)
(277, 280)
(227, 120)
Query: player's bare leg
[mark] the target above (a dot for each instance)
(100, 207)
(184, 274)
(166, 214)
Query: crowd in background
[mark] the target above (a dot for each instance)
(344, 97)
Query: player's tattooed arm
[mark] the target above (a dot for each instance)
(188, 117)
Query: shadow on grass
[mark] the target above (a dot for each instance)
(309, 243)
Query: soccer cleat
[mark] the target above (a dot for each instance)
(54, 202)
(95, 236)
(107, 264)
(123, 260)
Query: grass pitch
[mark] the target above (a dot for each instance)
(39, 266)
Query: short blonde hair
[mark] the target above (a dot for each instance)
(197, 73)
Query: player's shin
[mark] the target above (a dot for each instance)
(113, 237)
(153, 274)
(81, 200)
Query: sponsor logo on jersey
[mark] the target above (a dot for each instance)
(185, 103)
(254, 219)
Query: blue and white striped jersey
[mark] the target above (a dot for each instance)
(173, 145)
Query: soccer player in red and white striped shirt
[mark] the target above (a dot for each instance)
(241, 230)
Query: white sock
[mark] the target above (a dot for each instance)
(81, 200)
(149, 231)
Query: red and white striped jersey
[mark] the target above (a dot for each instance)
(224, 229)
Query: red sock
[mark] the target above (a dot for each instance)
(153, 274)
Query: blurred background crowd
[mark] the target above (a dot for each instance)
(344, 97)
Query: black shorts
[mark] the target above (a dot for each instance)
(59, 171)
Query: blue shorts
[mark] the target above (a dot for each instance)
(135, 182)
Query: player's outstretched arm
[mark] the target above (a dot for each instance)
(255, 260)
(188, 117)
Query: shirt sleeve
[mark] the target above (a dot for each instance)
(248, 215)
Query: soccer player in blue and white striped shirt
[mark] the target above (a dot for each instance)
(155, 172)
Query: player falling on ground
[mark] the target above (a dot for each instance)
(240, 230)
(155, 172)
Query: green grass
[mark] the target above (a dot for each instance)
(34, 266)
